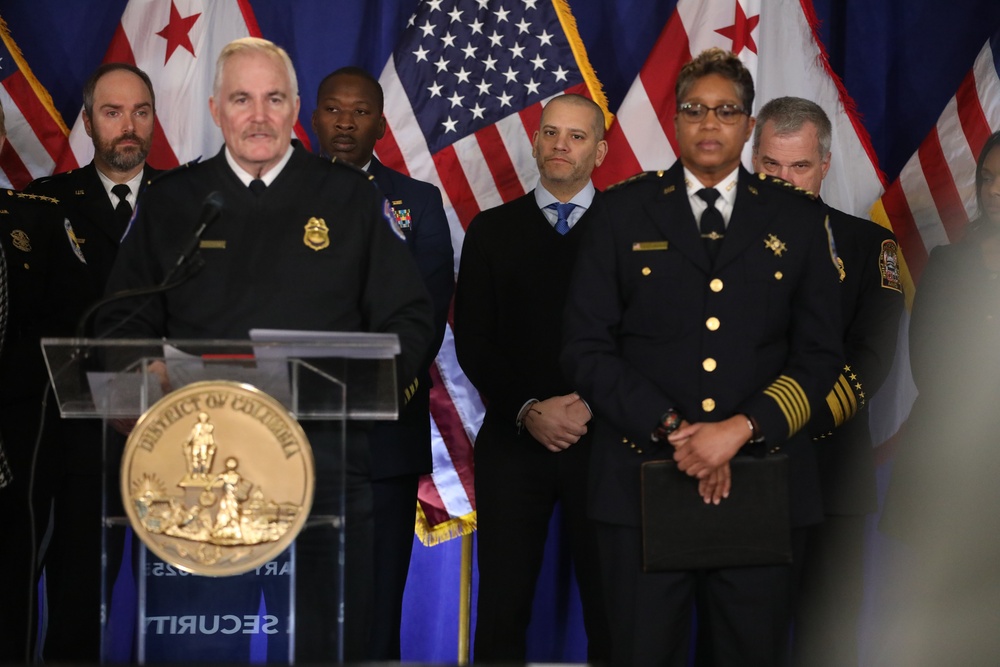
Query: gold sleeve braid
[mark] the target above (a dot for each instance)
(846, 397)
(792, 401)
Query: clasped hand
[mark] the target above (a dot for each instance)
(703, 450)
(557, 422)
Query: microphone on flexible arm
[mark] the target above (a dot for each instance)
(188, 263)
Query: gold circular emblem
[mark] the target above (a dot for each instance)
(217, 478)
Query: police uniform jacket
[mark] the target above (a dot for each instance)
(44, 279)
(871, 304)
(403, 447)
(262, 269)
(651, 325)
(86, 204)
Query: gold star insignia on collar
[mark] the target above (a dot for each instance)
(776, 245)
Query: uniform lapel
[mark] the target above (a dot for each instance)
(94, 203)
(747, 223)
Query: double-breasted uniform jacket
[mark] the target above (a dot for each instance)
(86, 204)
(403, 447)
(871, 304)
(651, 324)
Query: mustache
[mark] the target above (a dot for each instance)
(131, 136)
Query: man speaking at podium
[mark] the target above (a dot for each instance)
(299, 243)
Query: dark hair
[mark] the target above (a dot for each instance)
(106, 68)
(991, 143)
(361, 73)
(721, 62)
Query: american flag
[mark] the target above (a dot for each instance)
(36, 133)
(464, 90)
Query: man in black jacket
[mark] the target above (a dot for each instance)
(97, 200)
(533, 448)
(348, 121)
(792, 141)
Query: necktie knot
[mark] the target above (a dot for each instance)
(562, 215)
(257, 186)
(121, 191)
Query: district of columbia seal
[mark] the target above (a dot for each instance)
(217, 478)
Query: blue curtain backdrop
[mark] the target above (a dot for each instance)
(900, 60)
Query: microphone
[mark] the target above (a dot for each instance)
(211, 209)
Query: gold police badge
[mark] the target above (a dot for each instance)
(217, 478)
(317, 234)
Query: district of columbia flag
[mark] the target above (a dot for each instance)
(464, 90)
(777, 41)
(176, 42)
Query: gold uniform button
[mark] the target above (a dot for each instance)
(646, 270)
(778, 275)
(708, 404)
(712, 323)
(715, 285)
(709, 364)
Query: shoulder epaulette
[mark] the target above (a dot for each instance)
(25, 195)
(179, 168)
(785, 185)
(643, 176)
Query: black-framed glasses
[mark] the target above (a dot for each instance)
(694, 112)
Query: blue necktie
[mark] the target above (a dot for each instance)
(562, 213)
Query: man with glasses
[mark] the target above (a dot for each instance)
(701, 325)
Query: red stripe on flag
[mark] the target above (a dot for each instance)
(905, 228)
(388, 152)
(942, 186)
(38, 117)
(970, 114)
(430, 501)
(456, 185)
(452, 431)
(622, 162)
(12, 165)
(659, 73)
(531, 119)
(499, 163)
(253, 28)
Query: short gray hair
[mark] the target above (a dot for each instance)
(789, 114)
(253, 45)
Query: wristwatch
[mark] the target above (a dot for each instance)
(669, 422)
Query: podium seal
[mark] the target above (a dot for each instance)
(217, 478)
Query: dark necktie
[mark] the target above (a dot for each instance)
(713, 227)
(257, 186)
(123, 211)
(562, 215)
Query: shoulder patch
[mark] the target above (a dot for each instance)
(785, 185)
(644, 176)
(73, 241)
(888, 266)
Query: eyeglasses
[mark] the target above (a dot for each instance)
(695, 112)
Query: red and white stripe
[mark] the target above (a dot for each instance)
(36, 133)
(785, 57)
(935, 194)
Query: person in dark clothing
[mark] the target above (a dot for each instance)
(348, 121)
(533, 449)
(792, 141)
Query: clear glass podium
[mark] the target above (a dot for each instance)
(153, 609)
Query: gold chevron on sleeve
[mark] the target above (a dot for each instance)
(842, 400)
(791, 400)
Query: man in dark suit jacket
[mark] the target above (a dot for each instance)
(792, 141)
(693, 345)
(348, 121)
(97, 200)
(532, 449)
